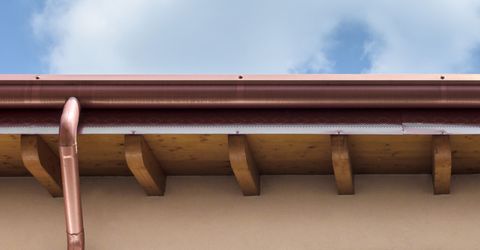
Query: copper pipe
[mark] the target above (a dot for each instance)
(70, 174)
(248, 91)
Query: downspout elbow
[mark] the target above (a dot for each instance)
(69, 123)
(70, 174)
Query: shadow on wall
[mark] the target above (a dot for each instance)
(293, 212)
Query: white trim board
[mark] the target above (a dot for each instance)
(348, 129)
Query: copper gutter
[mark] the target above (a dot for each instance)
(70, 174)
(249, 91)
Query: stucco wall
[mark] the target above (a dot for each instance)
(293, 212)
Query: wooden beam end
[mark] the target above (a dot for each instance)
(42, 163)
(442, 164)
(243, 165)
(144, 166)
(342, 167)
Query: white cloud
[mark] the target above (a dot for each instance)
(251, 36)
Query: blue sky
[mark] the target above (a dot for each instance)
(20, 52)
(250, 36)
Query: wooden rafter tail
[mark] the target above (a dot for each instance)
(144, 166)
(342, 167)
(42, 163)
(442, 164)
(243, 165)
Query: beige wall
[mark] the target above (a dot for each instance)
(293, 212)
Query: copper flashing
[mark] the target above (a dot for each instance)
(70, 174)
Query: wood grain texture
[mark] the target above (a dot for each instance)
(390, 154)
(342, 168)
(465, 154)
(42, 163)
(442, 164)
(98, 155)
(10, 156)
(243, 165)
(103, 155)
(144, 165)
(191, 154)
(291, 154)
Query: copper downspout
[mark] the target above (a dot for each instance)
(70, 174)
